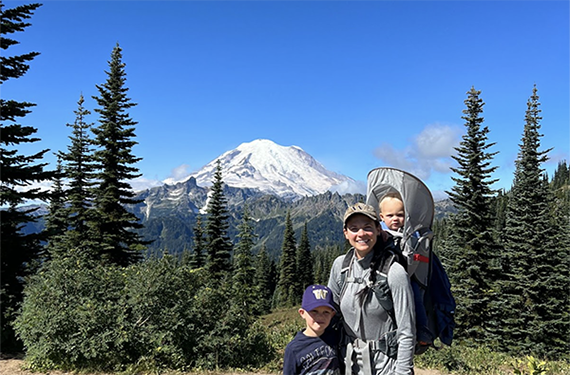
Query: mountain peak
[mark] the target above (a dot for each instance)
(285, 171)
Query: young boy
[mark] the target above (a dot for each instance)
(393, 216)
(314, 349)
(392, 211)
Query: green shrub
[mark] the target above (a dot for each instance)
(150, 316)
(69, 315)
(228, 335)
(156, 324)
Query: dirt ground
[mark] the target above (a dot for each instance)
(14, 367)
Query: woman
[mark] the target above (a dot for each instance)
(380, 335)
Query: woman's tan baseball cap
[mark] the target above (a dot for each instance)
(360, 208)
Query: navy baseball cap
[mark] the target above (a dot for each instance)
(317, 295)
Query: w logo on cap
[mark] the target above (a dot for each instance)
(320, 293)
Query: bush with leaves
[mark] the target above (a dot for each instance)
(69, 315)
(156, 324)
(228, 335)
(148, 316)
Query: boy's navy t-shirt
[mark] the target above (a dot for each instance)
(306, 355)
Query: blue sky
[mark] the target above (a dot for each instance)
(357, 85)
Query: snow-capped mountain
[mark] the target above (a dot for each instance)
(273, 169)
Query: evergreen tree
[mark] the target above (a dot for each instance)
(304, 260)
(288, 267)
(79, 169)
(114, 136)
(185, 258)
(264, 280)
(243, 258)
(561, 176)
(323, 259)
(560, 220)
(440, 230)
(471, 245)
(274, 278)
(500, 209)
(198, 260)
(245, 293)
(56, 219)
(561, 182)
(552, 292)
(218, 244)
(533, 277)
(19, 171)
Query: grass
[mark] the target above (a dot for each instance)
(457, 359)
(464, 360)
(283, 324)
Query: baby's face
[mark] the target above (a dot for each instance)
(392, 213)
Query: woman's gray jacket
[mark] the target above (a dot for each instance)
(367, 324)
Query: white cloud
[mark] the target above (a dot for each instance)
(429, 151)
(42, 186)
(137, 184)
(178, 174)
(349, 187)
(555, 157)
(437, 141)
(141, 183)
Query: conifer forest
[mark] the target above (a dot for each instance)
(84, 294)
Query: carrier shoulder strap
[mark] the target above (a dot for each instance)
(388, 243)
(382, 289)
(389, 255)
(344, 271)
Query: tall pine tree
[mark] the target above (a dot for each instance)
(218, 244)
(264, 279)
(561, 178)
(245, 293)
(114, 137)
(198, 258)
(79, 170)
(19, 171)
(243, 258)
(305, 275)
(185, 257)
(323, 259)
(534, 279)
(286, 286)
(471, 245)
(56, 219)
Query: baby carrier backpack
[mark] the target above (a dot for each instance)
(415, 242)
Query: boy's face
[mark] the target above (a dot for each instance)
(392, 213)
(317, 320)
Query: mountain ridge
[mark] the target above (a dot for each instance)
(271, 180)
(261, 164)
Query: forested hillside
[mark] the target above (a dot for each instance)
(170, 224)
